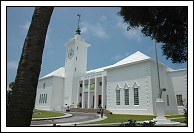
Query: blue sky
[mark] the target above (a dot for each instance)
(100, 26)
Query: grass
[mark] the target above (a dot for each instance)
(116, 118)
(119, 118)
(174, 115)
(45, 114)
(181, 120)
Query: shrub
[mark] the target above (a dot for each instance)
(131, 123)
(148, 124)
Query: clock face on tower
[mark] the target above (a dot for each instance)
(70, 53)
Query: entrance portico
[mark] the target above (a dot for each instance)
(92, 90)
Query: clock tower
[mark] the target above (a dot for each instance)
(75, 66)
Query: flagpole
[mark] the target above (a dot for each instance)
(158, 74)
(160, 104)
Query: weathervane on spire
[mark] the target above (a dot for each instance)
(78, 29)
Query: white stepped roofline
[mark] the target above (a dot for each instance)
(58, 73)
(132, 59)
(117, 66)
(130, 63)
(50, 77)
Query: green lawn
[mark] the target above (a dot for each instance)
(115, 118)
(174, 115)
(181, 120)
(45, 114)
(119, 118)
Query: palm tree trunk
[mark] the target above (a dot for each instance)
(22, 101)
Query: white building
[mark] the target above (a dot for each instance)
(129, 86)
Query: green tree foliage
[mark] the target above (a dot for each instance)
(167, 25)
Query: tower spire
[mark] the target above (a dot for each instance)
(78, 29)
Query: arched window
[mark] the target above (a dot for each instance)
(126, 94)
(136, 93)
(118, 95)
(136, 96)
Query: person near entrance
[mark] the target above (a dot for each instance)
(101, 112)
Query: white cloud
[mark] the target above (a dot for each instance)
(25, 26)
(95, 29)
(12, 64)
(135, 34)
(47, 40)
(103, 18)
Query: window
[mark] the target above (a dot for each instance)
(46, 99)
(117, 97)
(44, 85)
(75, 69)
(136, 96)
(76, 58)
(80, 85)
(77, 48)
(100, 83)
(43, 100)
(40, 99)
(126, 93)
(167, 100)
(179, 100)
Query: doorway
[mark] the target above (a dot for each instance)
(99, 100)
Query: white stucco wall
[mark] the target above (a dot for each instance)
(135, 75)
(58, 94)
(165, 82)
(54, 88)
(47, 90)
(179, 80)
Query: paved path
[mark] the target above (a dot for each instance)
(74, 118)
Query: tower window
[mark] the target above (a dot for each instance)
(44, 85)
(100, 83)
(80, 85)
(77, 48)
(75, 69)
(76, 58)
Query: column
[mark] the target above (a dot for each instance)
(103, 96)
(88, 93)
(83, 88)
(96, 94)
(78, 95)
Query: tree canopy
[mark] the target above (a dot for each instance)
(167, 25)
